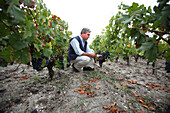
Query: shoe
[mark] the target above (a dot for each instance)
(88, 69)
(74, 69)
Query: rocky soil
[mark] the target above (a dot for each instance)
(114, 88)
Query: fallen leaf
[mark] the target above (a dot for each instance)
(151, 108)
(13, 74)
(141, 111)
(97, 87)
(121, 83)
(105, 107)
(132, 93)
(76, 90)
(90, 81)
(113, 104)
(57, 81)
(121, 79)
(147, 74)
(81, 92)
(108, 111)
(126, 84)
(146, 106)
(134, 111)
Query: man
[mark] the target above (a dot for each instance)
(79, 52)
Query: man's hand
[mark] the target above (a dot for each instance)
(92, 55)
(98, 56)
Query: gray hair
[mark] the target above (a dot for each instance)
(85, 30)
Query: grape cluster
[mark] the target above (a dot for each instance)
(37, 62)
(105, 55)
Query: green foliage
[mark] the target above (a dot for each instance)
(26, 22)
(137, 24)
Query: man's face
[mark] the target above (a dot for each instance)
(85, 36)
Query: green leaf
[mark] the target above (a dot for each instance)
(127, 20)
(6, 54)
(145, 46)
(17, 13)
(3, 30)
(47, 52)
(37, 46)
(27, 33)
(17, 43)
(25, 57)
(151, 54)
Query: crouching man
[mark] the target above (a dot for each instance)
(79, 53)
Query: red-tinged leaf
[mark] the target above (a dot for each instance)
(166, 89)
(105, 107)
(92, 92)
(134, 82)
(81, 92)
(13, 74)
(146, 106)
(161, 88)
(97, 87)
(108, 111)
(121, 83)
(57, 81)
(83, 84)
(76, 90)
(151, 108)
(155, 88)
(141, 111)
(88, 87)
(147, 74)
(121, 79)
(126, 84)
(90, 81)
(132, 93)
(113, 104)
(156, 85)
(134, 111)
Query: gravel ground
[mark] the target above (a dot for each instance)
(113, 88)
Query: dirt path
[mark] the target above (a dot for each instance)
(115, 87)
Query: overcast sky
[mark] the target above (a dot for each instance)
(93, 14)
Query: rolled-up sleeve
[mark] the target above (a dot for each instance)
(75, 44)
(88, 50)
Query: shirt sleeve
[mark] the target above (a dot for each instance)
(88, 50)
(75, 44)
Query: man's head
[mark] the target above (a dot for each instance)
(85, 33)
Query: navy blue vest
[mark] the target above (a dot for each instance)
(71, 53)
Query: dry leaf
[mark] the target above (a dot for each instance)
(114, 103)
(146, 106)
(105, 107)
(121, 83)
(76, 90)
(90, 81)
(108, 111)
(147, 74)
(126, 84)
(151, 108)
(134, 111)
(121, 79)
(57, 81)
(97, 87)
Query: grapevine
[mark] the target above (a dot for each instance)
(29, 30)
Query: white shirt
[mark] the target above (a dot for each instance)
(76, 46)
